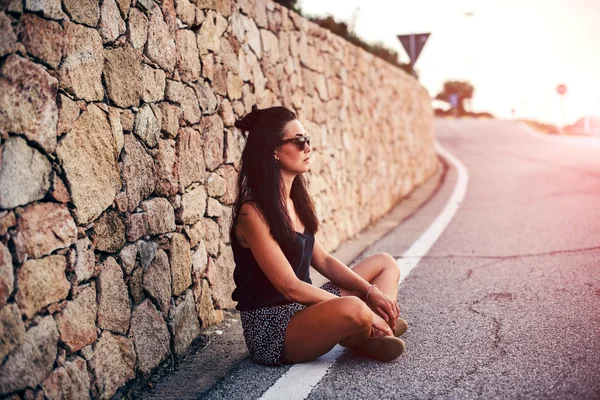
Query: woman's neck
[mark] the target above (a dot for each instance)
(288, 180)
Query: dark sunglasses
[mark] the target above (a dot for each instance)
(301, 141)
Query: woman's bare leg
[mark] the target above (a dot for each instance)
(381, 270)
(314, 330)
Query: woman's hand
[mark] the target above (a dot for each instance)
(383, 306)
(380, 327)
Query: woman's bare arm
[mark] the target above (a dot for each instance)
(273, 262)
(347, 279)
(333, 269)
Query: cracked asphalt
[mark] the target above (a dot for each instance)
(506, 305)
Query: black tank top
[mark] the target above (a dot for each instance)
(253, 288)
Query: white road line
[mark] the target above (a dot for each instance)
(300, 379)
(421, 246)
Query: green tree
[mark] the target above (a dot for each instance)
(462, 89)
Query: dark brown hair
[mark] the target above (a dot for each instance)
(260, 179)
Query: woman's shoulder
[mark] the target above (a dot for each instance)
(248, 205)
(250, 214)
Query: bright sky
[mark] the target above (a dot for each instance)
(515, 52)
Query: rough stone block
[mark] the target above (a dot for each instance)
(195, 232)
(230, 175)
(109, 232)
(111, 24)
(184, 324)
(190, 106)
(147, 252)
(49, 8)
(28, 101)
(24, 175)
(124, 7)
(181, 264)
(190, 160)
(206, 98)
(170, 121)
(193, 206)
(212, 236)
(114, 308)
(81, 70)
(224, 222)
(59, 191)
(213, 208)
(42, 39)
(123, 76)
(87, 154)
(207, 37)
(12, 329)
(213, 141)
(138, 28)
(137, 171)
(160, 215)
(215, 185)
(188, 61)
(219, 275)
(199, 262)
(33, 360)
(86, 12)
(112, 361)
(136, 286)
(154, 83)
(161, 47)
(6, 276)
(234, 146)
(186, 12)
(227, 54)
(206, 312)
(7, 221)
(127, 256)
(226, 113)
(45, 227)
(150, 335)
(77, 322)
(157, 281)
(70, 381)
(147, 127)
(136, 226)
(68, 112)
(8, 39)
(85, 264)
(270, 46)
(165, 174)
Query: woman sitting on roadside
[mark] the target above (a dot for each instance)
(285, 318)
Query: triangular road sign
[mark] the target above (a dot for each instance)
(413, 44)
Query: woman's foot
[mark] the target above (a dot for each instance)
(401, 327)
(385, 348)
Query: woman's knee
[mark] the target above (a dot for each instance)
(389, 264)
(355, 312)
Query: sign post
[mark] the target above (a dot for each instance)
(561, 90)
(453, 97)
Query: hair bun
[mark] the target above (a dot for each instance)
(249, 120)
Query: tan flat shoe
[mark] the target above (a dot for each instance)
(401, 327)
(385, 348)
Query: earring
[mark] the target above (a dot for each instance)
(276, 159)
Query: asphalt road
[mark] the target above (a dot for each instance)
(506, 304)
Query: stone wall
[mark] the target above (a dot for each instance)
(118, 170)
